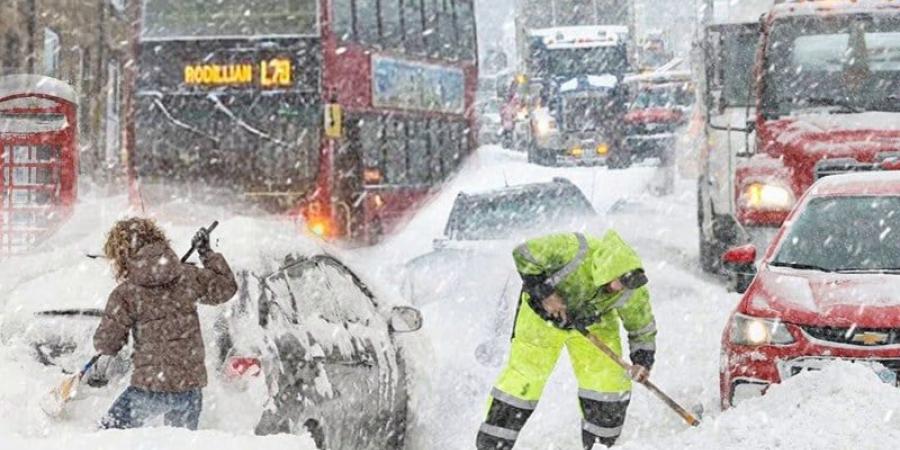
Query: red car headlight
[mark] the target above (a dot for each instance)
(755, 331)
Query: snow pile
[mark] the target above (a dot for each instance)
(158, 439)
(844, 405)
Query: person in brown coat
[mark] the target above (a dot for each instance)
(156, 302)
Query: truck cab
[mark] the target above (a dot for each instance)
(577, 99)
(826, 101)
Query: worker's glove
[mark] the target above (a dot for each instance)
(635, 279)
(638, 373)
(201, 242)
(644, 358)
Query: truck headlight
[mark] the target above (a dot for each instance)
(754, 331)
(544, 125)
(763, 196)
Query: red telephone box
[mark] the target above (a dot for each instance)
(38, 159)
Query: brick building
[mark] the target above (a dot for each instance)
(85, 43)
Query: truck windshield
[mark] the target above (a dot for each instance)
(860, 233)
(846, 63)
(572, 62)
(174, 19)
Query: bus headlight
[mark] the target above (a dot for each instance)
(764, 196)
(754, 331)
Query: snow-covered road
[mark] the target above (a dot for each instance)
(451, 388)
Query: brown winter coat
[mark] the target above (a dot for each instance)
(157, 303)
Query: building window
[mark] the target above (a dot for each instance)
(51, 52)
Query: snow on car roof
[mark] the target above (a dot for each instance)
(862, 183)
(36, 84)
(518, 189)
(804, 8)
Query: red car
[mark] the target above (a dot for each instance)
(828, 287)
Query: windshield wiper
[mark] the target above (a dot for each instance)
(885, 270)
(800, 266)
(831, 101)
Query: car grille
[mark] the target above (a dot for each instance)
(862, 337)
(793, 367)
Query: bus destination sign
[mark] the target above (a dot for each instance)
(272, 73)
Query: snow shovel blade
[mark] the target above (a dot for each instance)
(53, 403)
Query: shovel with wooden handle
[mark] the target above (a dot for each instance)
(54, 402)
(688, 417)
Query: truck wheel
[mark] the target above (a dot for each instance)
(506, 140)
(617, 161)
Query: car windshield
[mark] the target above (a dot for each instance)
(662, 98)
(844, 234)
(849, 63)
(218, 18)
(496, 217)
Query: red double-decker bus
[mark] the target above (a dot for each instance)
(348, 111)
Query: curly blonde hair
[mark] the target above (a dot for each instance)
(126, 238)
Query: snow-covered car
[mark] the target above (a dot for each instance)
(828, 288)
(305, 345)
(326, 347)
(482, 230)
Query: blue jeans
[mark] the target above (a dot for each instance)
(135, 406)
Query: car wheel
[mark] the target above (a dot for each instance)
(317, 432)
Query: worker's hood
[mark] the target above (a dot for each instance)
(612, 259)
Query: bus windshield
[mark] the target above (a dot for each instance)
(174, 19)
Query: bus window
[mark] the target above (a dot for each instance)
(344, 20)
(465, 14)
(419, 158)
(371, 141)
(432, 32)
(395, 153)
(448, 148)
(434, 146)
(413, 25)
(367, 24)
(447, 35)
(391, 33)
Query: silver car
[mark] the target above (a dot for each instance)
(326, 348)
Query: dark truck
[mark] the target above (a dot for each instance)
(579, 100)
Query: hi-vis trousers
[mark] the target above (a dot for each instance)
(604, 389)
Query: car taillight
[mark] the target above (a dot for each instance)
(239, 367)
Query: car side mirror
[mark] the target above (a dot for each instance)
(740, 266)
(405, 319)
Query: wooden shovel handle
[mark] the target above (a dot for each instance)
(685, 414)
